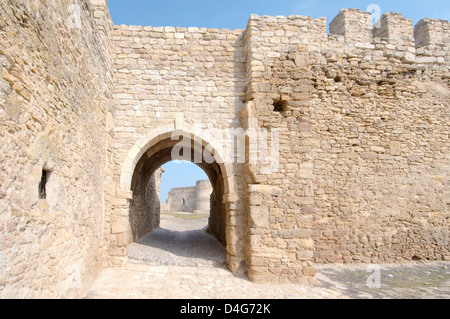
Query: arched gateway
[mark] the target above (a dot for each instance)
(157, 148)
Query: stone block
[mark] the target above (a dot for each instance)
(309, 271)
(395, 148)
(305, 255)
(265, 190)
(302, 59)
(259, 216)
(304, 127)
(118, 224)
(294, 233)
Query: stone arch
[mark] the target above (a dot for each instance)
(153, 150)
(165, 132)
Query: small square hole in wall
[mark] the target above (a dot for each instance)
(279, 105)
(43, 184)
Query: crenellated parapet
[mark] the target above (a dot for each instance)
(356, 26)
(292, 46)
(353, 25)
(431, 32)
(432, 41)
(423, 44)
(396, 29)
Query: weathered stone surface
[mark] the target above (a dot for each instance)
(189, 199)
(259, 216)
(55, 91)
(357, 120)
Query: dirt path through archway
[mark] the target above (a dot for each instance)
(181, 240)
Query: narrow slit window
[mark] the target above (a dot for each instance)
(43, 185)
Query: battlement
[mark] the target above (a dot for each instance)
(356, 26)
(395, 28)
(432, 32)
(426, 44)
(353, 25)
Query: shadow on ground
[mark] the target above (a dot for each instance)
(179, 242)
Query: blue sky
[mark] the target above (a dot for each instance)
(234, 14)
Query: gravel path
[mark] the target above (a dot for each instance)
(179, 242)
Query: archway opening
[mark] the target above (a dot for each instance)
(146, 207)
(185, 188)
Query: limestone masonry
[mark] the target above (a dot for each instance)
(89, 112)
(195, 199)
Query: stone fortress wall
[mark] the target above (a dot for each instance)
(55, 90)
(363, 140)
(361, 114)
(195, 199)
